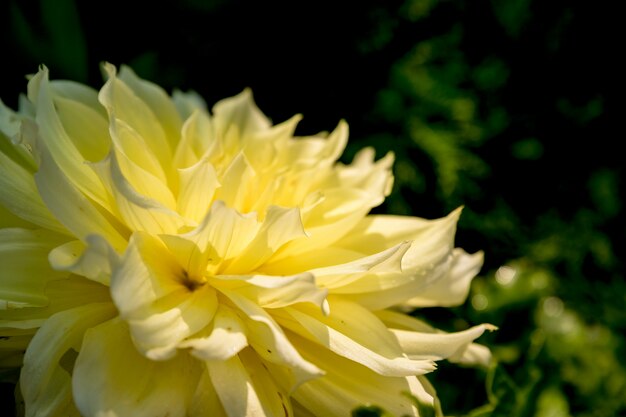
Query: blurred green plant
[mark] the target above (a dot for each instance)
(55, 36)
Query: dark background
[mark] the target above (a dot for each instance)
(508, 107)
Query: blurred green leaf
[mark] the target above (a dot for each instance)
(59, 42)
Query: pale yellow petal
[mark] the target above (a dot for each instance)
(150, 208)
(205, 401)
(75, 211)
(472, 354)
(348, 384)
(223, 339)
(339, 211)
(187, 102)
(124, 104)
(267, 338)
(20, 195)
(59, 144)
(87, 128)
(276, 291)
(275, 400)
(355, 333)
(161, 304)
(433, 239)
(78, 92)
(236, 190)
(317, 151)
(63, 294)
(437, 346)
(92, 259)
(134, 153)
(198, 185)
(158, 101)
(313, 259)
(221, 236)
(44, 383)
(240, 113)
(198, 140)
(366, 271)
(452, 288)
(112, 379)
(25, 267)
(280, 226)
(234, 388)
(263, 147)
(8, 219)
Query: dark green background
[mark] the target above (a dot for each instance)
(509, 107)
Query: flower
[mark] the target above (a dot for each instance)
(159, 260)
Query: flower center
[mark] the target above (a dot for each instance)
(191, 283)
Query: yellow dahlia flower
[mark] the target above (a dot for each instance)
(161, 260)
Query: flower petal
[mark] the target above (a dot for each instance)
(205, 401)
(92, 260)
(112, 379)
(234, 388)
(161, 303)
(348, 384)
(59, 144)
(355, 333)
(87, 128)
(267, 338)
(236, 190)
(157, 100)
(187, 102)
(433, 239)
(459, 348)
(437, 346)
(25, 268)
(198, 185)
(63, 294)
(75, 211)
(223, 234)
(20, 196)
(123, 103)
(220, 341)
(280, 226)
(453, 287)
(150, 208)
(246, 388)
(45, 383)
(241, 113)
(276, 291)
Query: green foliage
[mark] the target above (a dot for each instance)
(60, 43)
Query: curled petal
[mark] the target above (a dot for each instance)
(92, 259)
(278, 291)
